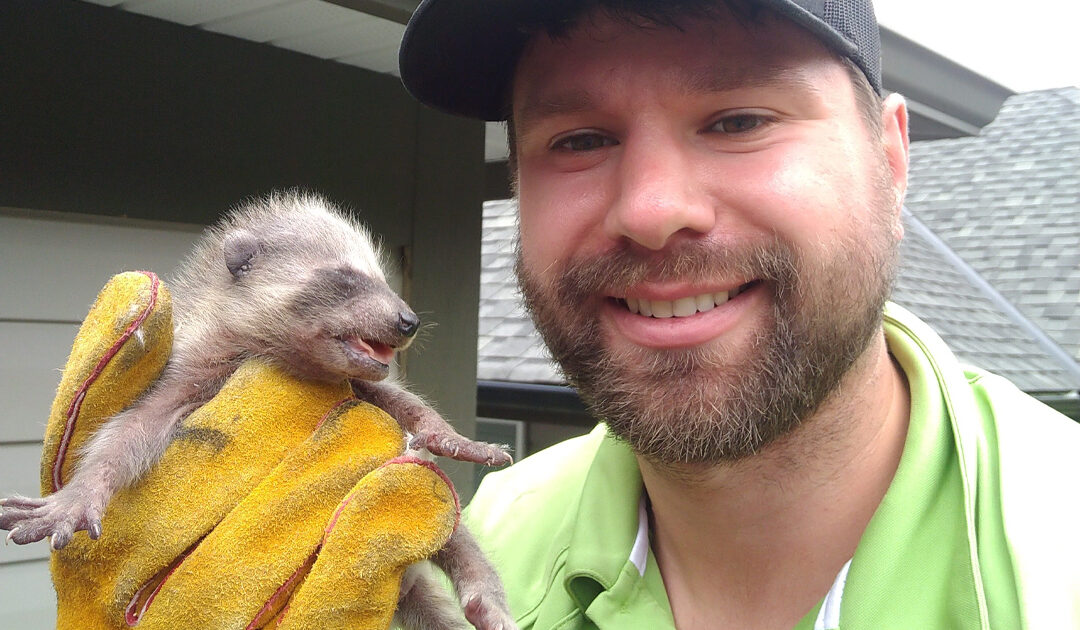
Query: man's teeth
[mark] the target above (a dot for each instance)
(682, 307)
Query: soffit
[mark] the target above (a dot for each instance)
(313, 27)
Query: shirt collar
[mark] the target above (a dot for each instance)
(607, 527)
(917, 561)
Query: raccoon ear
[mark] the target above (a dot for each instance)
(239, 249)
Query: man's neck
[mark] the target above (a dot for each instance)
(756, 543)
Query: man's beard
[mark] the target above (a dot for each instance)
(710, 404)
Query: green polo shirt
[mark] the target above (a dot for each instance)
(957, 542)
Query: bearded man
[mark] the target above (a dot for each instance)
(710, 195)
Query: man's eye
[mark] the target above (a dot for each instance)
(739, 123)
(584, 142)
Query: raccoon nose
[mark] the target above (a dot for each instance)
(408, 323)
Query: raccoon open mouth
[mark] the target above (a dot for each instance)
(368, 348)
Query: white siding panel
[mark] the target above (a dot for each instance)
(28, 601)
(52, 270)
(33, 355)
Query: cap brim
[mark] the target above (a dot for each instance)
(459, 56)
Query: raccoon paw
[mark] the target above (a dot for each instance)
(485, 613)
(463, 449)
(57, 517)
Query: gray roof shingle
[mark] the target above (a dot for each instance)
(509, 347)
(961, 307)
(1008, 202)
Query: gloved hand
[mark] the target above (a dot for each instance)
(280, 503)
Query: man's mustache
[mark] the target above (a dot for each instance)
(628, 265)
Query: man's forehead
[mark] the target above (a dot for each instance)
(553, 75)
(540, 100)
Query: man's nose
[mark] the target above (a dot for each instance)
(658, 195)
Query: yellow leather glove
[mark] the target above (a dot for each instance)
(279, 504)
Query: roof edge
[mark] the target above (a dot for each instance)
(556, 404)
(957, 100)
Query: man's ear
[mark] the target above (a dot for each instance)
(894, 135)
(239, 249)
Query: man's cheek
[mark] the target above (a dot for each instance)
(796, 202)
(547, 241)
(533, 249)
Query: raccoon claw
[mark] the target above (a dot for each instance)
(59, 540)
(461, 449)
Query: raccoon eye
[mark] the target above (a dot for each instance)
(239, 249)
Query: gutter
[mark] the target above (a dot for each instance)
(532, 402)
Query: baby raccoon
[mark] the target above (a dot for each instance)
(287, 278)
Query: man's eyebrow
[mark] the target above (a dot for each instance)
(568, 102)
(705, 80)
(708, 81)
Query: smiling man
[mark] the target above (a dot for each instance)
(710, 197)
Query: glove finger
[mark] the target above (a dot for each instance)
(120, 349)
(400, 514)
(220, 453)
(265, 543)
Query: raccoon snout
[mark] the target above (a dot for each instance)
(408, 323)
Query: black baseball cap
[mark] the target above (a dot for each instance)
(459, 56)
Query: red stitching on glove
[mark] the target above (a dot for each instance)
(80, 394)
(285, 589)
(132, 616)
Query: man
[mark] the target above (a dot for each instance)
(710, 197)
